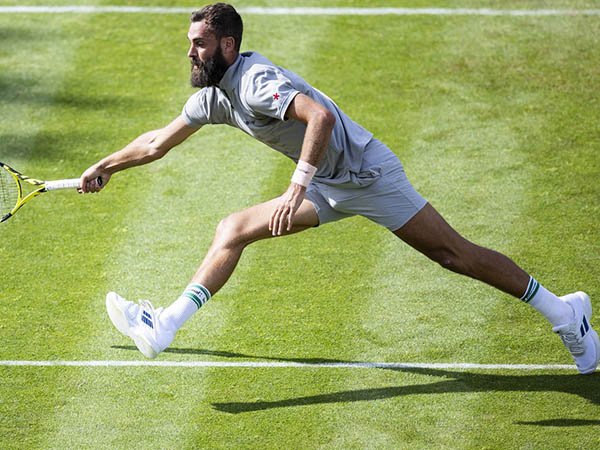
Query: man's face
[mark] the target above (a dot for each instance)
(206, 56)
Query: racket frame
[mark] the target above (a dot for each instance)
(42, 186)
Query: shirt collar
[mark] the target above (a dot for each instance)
(227, 83)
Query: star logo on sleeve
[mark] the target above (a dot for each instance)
(276, 96)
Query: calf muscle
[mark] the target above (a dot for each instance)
(431, 235)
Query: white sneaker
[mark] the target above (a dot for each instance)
(150, 335)
(122, 312)
(141, 323)
(578, 336)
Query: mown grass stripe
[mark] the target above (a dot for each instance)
(290, 364)
(306, 11)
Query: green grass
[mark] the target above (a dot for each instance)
(496, 121)
(497, 4)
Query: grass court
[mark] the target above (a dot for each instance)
(496, 120)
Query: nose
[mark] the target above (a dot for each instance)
(192, 52)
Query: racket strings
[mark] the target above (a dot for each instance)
(9, 192)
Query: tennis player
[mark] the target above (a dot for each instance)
(342, 171)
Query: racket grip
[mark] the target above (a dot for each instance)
(62, 184)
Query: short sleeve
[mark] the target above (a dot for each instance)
(195, 110)
(208, 105)
(269, 92)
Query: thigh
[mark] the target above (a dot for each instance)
(252, 224)
(428, 232)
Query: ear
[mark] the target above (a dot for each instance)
(228, 44)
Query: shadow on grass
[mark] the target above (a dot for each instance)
(225, 354)
(562, 423)
(586, 387)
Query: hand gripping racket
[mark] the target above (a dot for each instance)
(11, 189)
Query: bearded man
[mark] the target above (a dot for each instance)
(342, 171)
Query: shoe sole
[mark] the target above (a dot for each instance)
(143, 345)
(587, 307)
(596, 340)
(116, 314)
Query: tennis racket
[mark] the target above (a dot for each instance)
(11, 189)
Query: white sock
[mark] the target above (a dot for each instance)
(548, 304)
(194, 296)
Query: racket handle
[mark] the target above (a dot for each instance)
(62, 184)
(66, 184)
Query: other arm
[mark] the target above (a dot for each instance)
(144, 149)
(319, 125)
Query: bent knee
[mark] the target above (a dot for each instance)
(231, 231)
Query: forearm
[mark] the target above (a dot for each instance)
(319, 127)
(141, 150)
(316, 140)
(146, 148)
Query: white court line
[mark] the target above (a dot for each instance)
(306, 11)
(297, 11)
(290, 364)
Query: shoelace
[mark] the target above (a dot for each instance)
(572, 341)
(148, 305)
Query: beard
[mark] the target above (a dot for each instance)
(210, 72)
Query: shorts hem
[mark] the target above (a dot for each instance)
(407, 219)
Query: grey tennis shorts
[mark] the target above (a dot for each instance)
(380, 191)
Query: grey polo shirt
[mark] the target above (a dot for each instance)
(254, 95)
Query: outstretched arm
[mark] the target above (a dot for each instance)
(146, 148)
(319, 125)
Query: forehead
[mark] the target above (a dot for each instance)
(200, 30)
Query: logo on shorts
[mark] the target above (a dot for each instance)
(276, 96)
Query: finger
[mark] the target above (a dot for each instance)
(276, 221)
(272, 220)
(90, 185)
(282, 218)
(275, 218)
(289, 220)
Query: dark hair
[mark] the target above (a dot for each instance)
(223, 20)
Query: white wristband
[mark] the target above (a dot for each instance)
(303, 173)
